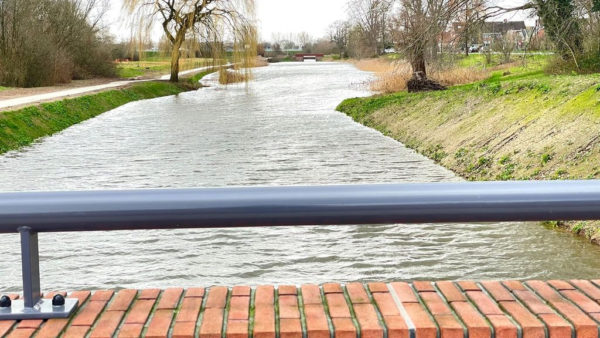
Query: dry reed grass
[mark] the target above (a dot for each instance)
(257, 62)
(240, 72)
(457, 75)
(392, 76)
(260, 62)
(227, 76)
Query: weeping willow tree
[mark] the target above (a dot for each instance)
(216, 21)
(243, 56)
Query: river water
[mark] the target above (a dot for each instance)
(280, 130)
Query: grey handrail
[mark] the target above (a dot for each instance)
(30, 213)
(299, 205)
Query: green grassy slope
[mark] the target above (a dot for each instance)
(512, 126)
(21, 127)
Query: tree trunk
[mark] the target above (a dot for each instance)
(418, 65)
(419, 81)
(175, 54)
(466, 29)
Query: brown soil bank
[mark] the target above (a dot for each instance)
(509, 127)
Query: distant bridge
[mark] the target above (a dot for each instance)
(302, 57)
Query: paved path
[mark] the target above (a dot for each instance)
(33, 99)
(191, 71)
(374, 310)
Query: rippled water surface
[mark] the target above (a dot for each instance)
(281, 130)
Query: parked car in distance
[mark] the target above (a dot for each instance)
(474, 48)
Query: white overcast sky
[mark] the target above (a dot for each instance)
(285, 16)
(275, 16)
(281, 16)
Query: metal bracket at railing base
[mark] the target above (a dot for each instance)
(31, 305)
(42, 310)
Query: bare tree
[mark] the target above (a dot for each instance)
(470, 17)
(371, 17)
(324, 46)
(339, 33)
(590, 9)
(181, 19)
(417, 27)
(277, 38)
(43, 42)
(304, 39)
(505, 46)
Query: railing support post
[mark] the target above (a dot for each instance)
(32, 306)
(30, 261)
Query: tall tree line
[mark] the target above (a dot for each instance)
(44, 42)
(414, 28)
(370, 19)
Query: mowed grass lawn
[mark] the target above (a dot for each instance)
(21, 127)
(154, 66)
(529, 60)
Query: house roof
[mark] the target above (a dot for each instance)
(502, 26)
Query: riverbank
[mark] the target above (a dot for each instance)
(508, 127)
(19, 128)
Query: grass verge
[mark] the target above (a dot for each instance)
(195, 79)
(156, 66)
(21, 127)
(509, 127)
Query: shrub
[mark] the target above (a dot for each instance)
(586, 64)
(228, 77)
(392, 76)
(45, 42)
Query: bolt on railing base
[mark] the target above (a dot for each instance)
(31, 305)
(42, 310)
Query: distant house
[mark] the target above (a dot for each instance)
(484, 33)
(452, 36)
(448, 39)
(503, 26)
(492, 30)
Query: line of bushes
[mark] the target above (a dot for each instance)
(22, 127)
(44, 42)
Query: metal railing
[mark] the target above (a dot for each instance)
(34, 212)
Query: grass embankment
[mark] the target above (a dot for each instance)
(21, 127)
(194, 79)
(520, 126)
